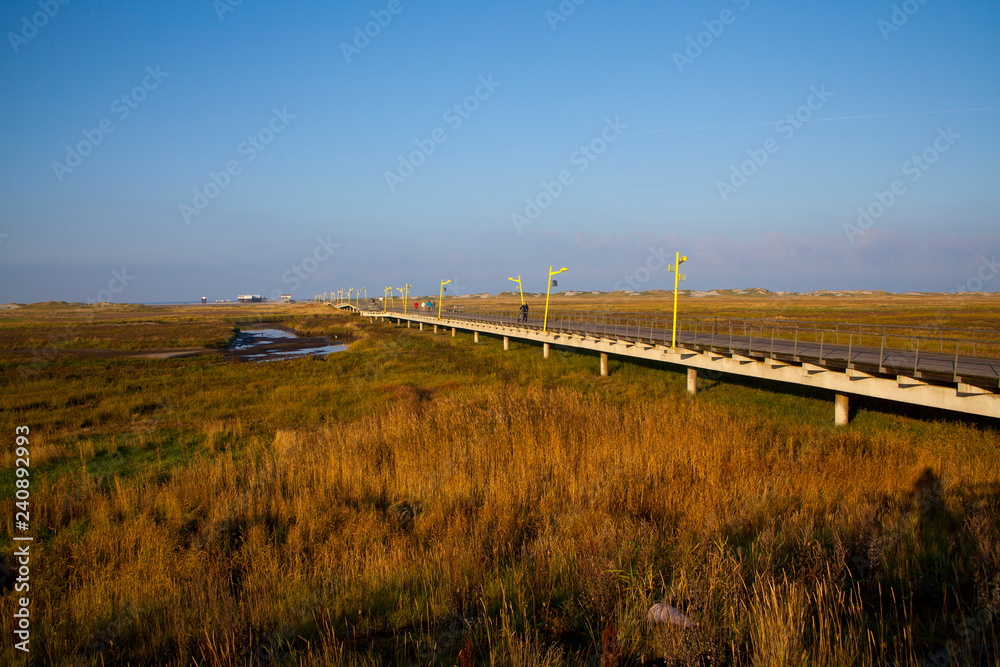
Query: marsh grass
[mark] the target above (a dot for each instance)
(421, 500)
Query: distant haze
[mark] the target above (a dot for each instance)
(165, 151)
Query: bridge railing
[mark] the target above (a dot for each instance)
(826, 342)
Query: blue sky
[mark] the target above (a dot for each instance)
(661, 118)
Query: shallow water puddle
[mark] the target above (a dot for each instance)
(278, 344)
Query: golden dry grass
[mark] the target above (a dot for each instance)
(513, 513)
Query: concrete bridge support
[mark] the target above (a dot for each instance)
(407, 324)
(506, 343)
(841, 407)
(545, 350)
(421, 326)
(692, 381)
(435, 329)
(475, 336)
(453, 332)
(604, 364)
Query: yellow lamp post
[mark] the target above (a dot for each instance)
(441, 297)
(548, 289)
(405, 293)
(349, 290)
(519, 288)
(324, 297)
(678, 276)
(365, 289)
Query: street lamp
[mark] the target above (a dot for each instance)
(519, 289)
(678, 276)
(349, 290)
(441, 297)
(405, 293)
(359, 295)
(548, 288)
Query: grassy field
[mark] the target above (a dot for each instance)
(419, 499)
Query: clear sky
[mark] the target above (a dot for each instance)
(162, 151)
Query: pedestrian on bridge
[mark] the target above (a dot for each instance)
(524, 312)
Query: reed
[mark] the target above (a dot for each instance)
(421, 500)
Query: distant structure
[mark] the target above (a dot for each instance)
(250, 298)
(204, 299)
(286, 298)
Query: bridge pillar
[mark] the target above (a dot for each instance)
(435, 329)
(421, 326)
(840, 410)
(692, 381)
(604, 364)
(407, 324)
(545, 350)
(506, 342)
(475, 336)
(453, 332)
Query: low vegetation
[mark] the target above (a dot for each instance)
(421, 500)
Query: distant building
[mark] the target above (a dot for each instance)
(286, 298)
(250, 298)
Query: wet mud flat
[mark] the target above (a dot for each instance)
(274, 344)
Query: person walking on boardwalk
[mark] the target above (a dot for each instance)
(524, 312)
